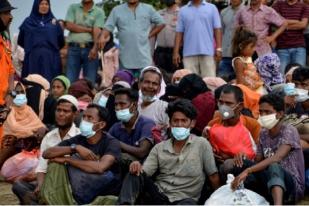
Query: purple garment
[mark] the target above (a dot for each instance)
(268, 68)
(293, 163)
(125, 76)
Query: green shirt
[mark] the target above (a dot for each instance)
(133, 31)
(93, 18)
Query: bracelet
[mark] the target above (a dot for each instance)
(219, 49)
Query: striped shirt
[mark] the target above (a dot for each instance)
(297, 11)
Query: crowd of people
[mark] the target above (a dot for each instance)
(156, 107)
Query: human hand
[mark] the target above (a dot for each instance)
(238, 159)
(37, 190)
(176, 59)
(218, 56)
(135, 168)
(86, 154)
(102, 40)
(239, 179)
(93, 54)
(219, 158)
(205, 132)
(269, 39)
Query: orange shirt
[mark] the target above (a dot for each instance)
(251, 124)
(6, 69)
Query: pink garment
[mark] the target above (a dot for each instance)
(214, 82)
(259, 22)
(110, 65)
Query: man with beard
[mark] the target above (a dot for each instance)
(27, 192)
(6, 67)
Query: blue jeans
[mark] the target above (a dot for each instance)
(226, 68)
(77, 59)
(292, 55)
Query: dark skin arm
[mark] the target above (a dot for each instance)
(156, 30)
(89, 166)
(72, 27)
(281, 153)
(94, 51)
(40, 179)
(178, 43)
(139, 152)
(59, 151)
(214, 180)
(103, 39)
(296, 24)
(218, 38)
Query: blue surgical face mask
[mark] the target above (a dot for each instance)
(102, 101)
(147, 98)
(124, 115)
(180, 133)
(20, 100)
(86, 129)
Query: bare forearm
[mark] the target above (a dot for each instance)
(298, 25)
(304, 137)
(215, 181)
(135, 151)
(218, 37)
(78, 28)
(96, 33)
(95, 167)
(11, 82)
(178, 42)
(40, 178)
(156, 30)
(280, 30)
(56, 152)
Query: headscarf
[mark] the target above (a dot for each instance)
(192, 85)
(37, 89)
(65, 81)
(80, 88)
(22, 121)
(36, 19)
(179, 74)
(268, 68)
(214, 82)
(125, 76)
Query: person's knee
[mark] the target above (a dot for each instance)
(274, 167)
(18, 188)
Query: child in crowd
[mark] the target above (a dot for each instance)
(243, 49)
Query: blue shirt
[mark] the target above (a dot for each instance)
(198, 24)
(140, 131)
(133, 33)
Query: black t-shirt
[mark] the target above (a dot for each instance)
(107, 145)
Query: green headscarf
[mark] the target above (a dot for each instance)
(66, 82)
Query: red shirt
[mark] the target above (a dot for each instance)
(297, 11)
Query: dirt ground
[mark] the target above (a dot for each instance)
(8, 198)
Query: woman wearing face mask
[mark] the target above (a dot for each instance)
(279, 168)
(22, 123)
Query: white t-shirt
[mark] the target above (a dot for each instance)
(156, 112)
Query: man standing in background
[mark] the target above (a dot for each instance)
(84, 21)
(134, 21)
(199, 29)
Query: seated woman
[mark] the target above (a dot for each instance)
(21, 125)
(59, 86)
(278, 173)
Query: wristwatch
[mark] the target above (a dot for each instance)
(73, 148)
(219, 49)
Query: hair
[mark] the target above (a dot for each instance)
(300, 74)
(102, 112)
(242, 38)
(74, 109)
(182, 105)
(228, 89)
(290, 66)
(132, 94)
(275, 100)
(62, 83)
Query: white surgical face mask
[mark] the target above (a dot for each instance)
(268, 121)
(302, 95)
(147, 98)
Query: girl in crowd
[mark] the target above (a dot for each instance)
(244, 43)
(42, 38)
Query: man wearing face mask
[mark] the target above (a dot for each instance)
(232, 135)
(151, 106)
(278, 170)
(66, 110)
(93, 167)
(134, 130)
(6, 66)
(182, 163)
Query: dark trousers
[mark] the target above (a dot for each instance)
(262, 182)
(25, 192)
(142, 190)
(163, 58)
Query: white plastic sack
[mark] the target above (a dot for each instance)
(226, 196)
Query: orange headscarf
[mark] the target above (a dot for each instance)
(22, 121)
